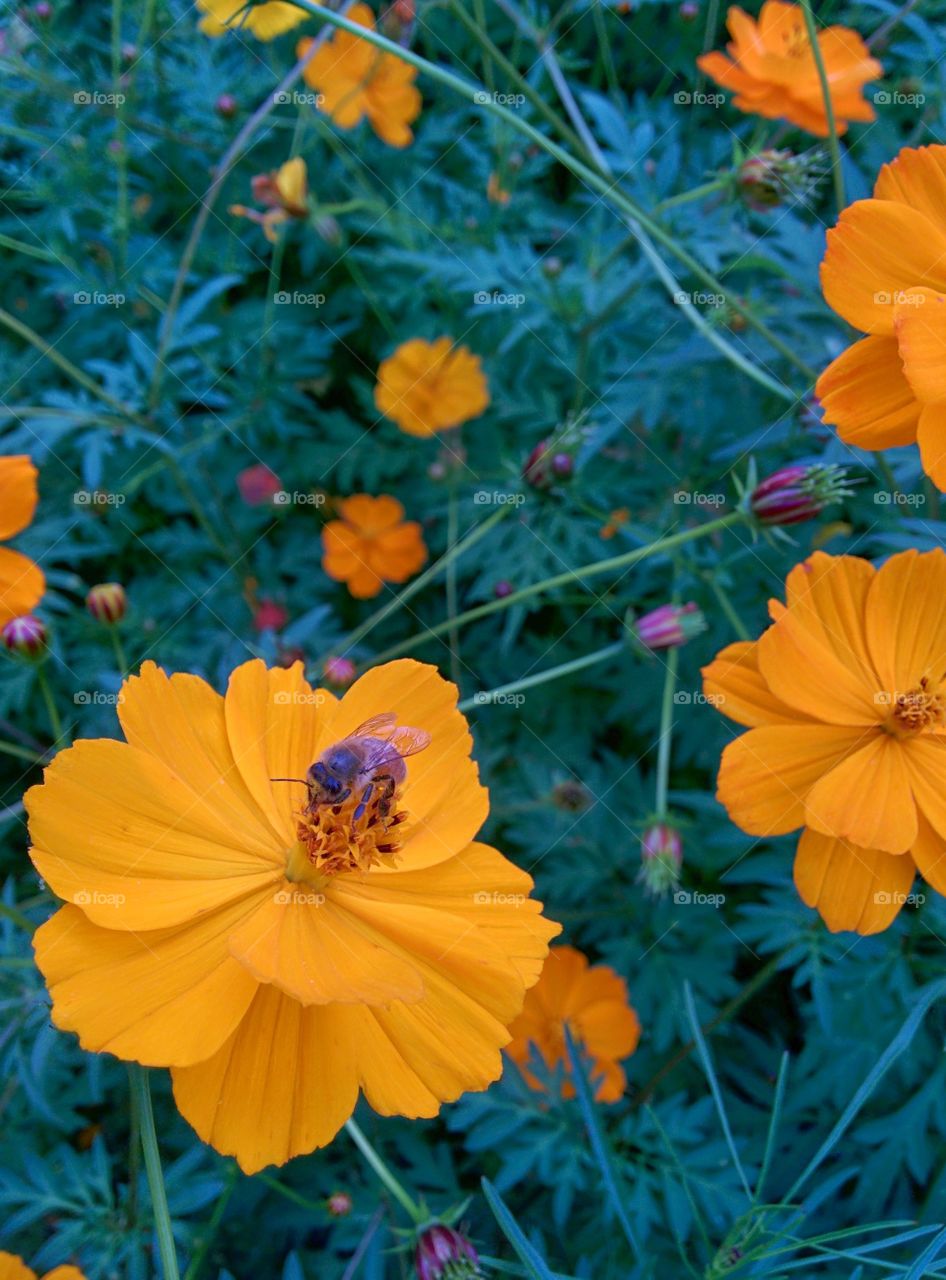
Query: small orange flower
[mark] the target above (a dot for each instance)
(284, 193)
(774, 74)
(496, 193)
(14, 1268)
(427, 387)
(356, 80)
(265, 21)
(885, 273)
(21, 581)
(284, 946)
(371, 544)
(593, 1004)
(844, 697)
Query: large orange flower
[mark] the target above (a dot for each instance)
(371, 544)
(772, 69)
(280, 957)
(14, 1268)
(593, 1004)
(844, 697)
(427, 387)
(885, 273)
(356, 80)
(265, 21)
(21, 581)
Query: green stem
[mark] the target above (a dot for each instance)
(134, 1161)
(833, 143)
(20, 753)
(695, 193)
(119, 651)
(413, 1210)
(209, 1233)
(121, 210)
(55, 722)
(18, 918)
(152, 1158)
(569, 577)
(728, 608)
(666, 732)
(453, 516)
(543, 677)
(604, 185)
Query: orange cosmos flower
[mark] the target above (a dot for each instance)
(371, 544)
(885, 272)
(14, 1268)
(427, 387)
(772, 70)
(265, 21)
(356, 80)
(277, 953)
(284, 193)
(593, 1004)
(844, 697)
(21, 581)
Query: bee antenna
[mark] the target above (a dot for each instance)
(302, 780)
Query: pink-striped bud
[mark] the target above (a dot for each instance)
(258, 485)
(339, 1204)
(443, 1254)
(26, 637)
(669, 626)
(339, 672)
(797, 493)
(661, 858)
(107, 602)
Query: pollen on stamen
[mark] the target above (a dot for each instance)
(919, 710)
(335, 840)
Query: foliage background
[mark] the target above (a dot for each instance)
(666, 422)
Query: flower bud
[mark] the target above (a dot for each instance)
(26, 637)
(661, 858)
(269, 616)
(443, 1254)
(226, 106)
(107, 602)
(258, 485)
(761, 179)
(543, 467)
(339, 1204)
(339, 671)
(797, 493)
(502, 589)
(669, 626)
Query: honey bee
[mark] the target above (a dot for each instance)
(371, 758)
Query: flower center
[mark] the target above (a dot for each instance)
(795, 42)
(919, 710)
(355, 835)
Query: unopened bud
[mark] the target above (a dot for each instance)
(339, 671)
(339, 1204)
(661, 858)
(26, 637)
(669, 626)
(107, 602)
(443, 1254)
(226, 106)
(797, 493)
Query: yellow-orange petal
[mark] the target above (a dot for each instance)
(926, 760)
(110, 821)
(929, 853)
(803, 671)
(304, 941)
(878, 250)
(64, 1273)
(767, 773)
(14, 1268)
(734, 685)
(867, 798)
(283, 1084)
(906, 620)
(442, 794)
(916, 177)
(920, 327)
(931, 437)
(852, 888)
(163, 997)
(865, 395)
(19, 494)
(21, 585)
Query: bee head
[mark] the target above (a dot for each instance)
(326, 778)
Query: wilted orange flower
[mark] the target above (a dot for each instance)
(265, 21)
(593, 1004)
(14, 1268)
(427, 387)
(356, 80)
(284, 194)
(21, 581)
(772, 70)
(280, 955)
(885, 272)
(371, 544)
(844, 697)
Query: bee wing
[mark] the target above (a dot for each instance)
(404, 741)
(379, 726)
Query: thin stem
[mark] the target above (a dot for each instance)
(20, 753)
(134, 1162)
(209, 1233)
(121, 209)
(569, 577)
(453, 516)
(152, 1157)
(413, 1210)
(543, 677)
(695, 193)
(833, 143)
(52, 711)
(666, 732)
(729, 609)
(119, 651)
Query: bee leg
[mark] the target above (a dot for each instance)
(387, 793)
(363, 803)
